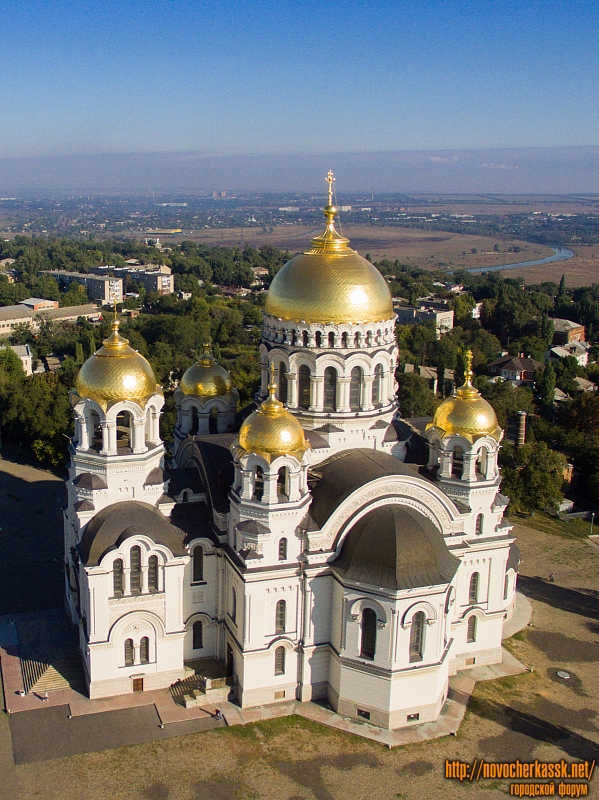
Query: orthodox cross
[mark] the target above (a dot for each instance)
(330, 180)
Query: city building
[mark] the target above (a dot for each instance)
(566, 331)
(576, 349)
(12, 316)
(289, 544)
(438, 313)
(107, 290)
(24, 353)
(38, 303)
(515, 368)
(153, 277)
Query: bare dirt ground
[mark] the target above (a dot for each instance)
(429, 249)
(580, 270)
(533, 715)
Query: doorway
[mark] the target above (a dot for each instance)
(138, 684)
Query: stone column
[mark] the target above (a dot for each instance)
(127, 580)
(138, 443)
(343, 394)
(270, 489)
(469, 471)
(316, 392)
(263, 379)
(292, 390)
(247, 484)
(144, 579)
(445, 467)
(366, 393)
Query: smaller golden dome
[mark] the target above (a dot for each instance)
(466, 413)
(271, 430)
(116, 372)
(206, 378)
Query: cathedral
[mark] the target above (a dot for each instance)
(300, 544)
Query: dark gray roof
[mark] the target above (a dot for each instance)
(252, 526)
(87, 480)
(216, 467)
(400, 430)
(513, 559)
(315, 440)
(193, 519)
(328, 428)
(84, 505)
(378, 425)
(394, 547)
(155, 477)
(118, 522)
(184, 478)
(333, 480)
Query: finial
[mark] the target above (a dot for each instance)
(272, 386)
(469, 372)
(115, 322)
(207, 358)
(330, 179)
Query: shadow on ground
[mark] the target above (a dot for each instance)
(577, 601)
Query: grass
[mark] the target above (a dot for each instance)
(540, 521)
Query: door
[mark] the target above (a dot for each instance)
(230, 662)
(138, 684)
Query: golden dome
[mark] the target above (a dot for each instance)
(466, 413)
(330, 282)
(116, 372)
(272, 431)
(206, 378)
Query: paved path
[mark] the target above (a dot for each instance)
(48, 733)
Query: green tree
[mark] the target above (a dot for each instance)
(461, 367)
(532, 476)
(546, 383)
(415, 397)
(562, 287)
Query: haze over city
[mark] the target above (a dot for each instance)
(435, 96)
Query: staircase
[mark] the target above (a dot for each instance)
(64, 674)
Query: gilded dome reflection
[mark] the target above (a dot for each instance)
(206, 378)
(272, 431)
(116, 372)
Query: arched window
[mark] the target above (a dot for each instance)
(368, 641)
(282, 549)
(129, 653)
(355, 389)
(198, 635)
(280, 617)
(94, 430)
(117, 578)
(198, 564)
(282, 480)
(318, 338)
(305, 338)
(195, 421)
(124, 423)
(331, 339)
(304, 387)
(481, 461)
(280, 661)
(344, 342)
(330, 389)
(213, 420)
(357, 340)
(282, 387)
(471, 632)
(417, 637)
(506, 586)
(293, 338)
(233, 605)
(153, 573)
(135, 577)
(479, 524)
(377, 385)
(473, 591)
(144, 650)
(457, 462)
(259, 484)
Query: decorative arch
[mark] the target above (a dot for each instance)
(127, 624)
(137, 412)
(358, 606)
(478, 612)
(427, 609)
(281, 641)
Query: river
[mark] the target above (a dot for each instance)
(559, 254)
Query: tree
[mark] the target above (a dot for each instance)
(532, 476)
(461, 367)
(546, 385)
(562, 287)
(415, 397)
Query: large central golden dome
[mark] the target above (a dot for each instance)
(272, 431)
(206, 378)
(116, 372)
(330, 282)
(466, 413)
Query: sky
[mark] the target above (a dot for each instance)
(274, 77)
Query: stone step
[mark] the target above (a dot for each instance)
(65, 674)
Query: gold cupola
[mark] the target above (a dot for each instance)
(206, 378)
(116, 372)
(330, 282)
(466, 412)
(271, 431)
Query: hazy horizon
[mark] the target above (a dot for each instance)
(561, 170)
